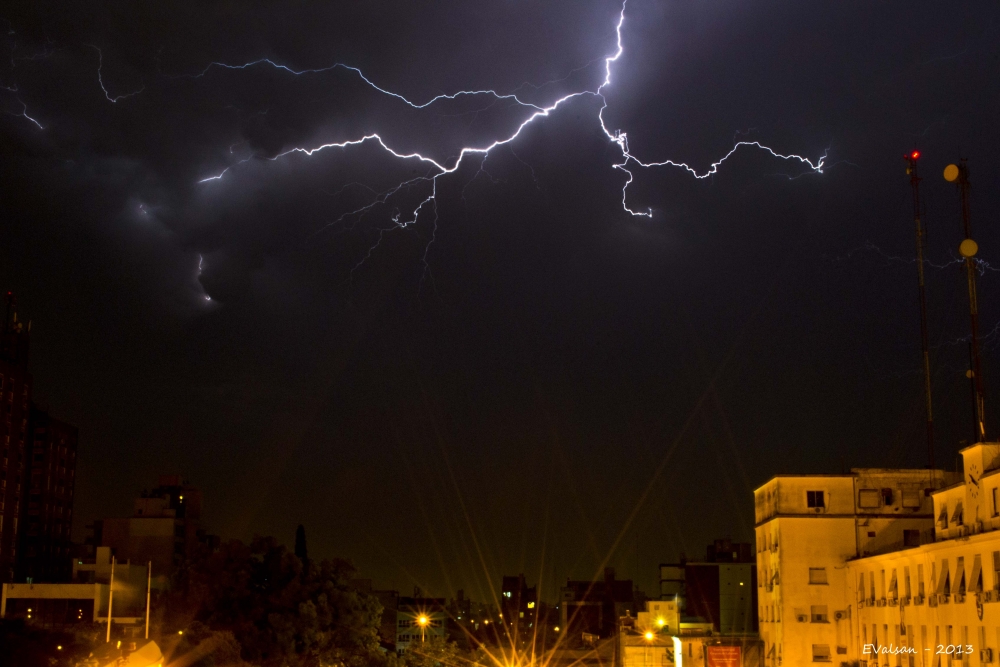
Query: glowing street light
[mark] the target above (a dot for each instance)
(649, 636)
(422, 621)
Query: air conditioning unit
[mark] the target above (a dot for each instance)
(959, 597)
(880, 602)
(893, 602)
(903, 602)
(932, 601)
(986, 655)
(943, 598)
(990, 596)
(918, 599)
(839, 615)
(977, 527)
(801, 618)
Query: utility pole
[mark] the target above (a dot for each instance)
(924, 338)
(960, 173)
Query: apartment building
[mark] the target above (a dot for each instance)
(808, 529)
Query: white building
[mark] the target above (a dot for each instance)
(808, 528)
(944, 596)
(84, 601)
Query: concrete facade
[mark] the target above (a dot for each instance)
(808, 527)
(85, 600)
(942, 596)
(48, 515)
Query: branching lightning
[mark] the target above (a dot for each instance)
(100, 79)
(628, 162)
(24, 107)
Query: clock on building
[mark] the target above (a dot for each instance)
(973, 480)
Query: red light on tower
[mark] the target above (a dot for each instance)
(914, 155)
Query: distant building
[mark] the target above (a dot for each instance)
(672, 580)
(659, 636)
(720, 590)
(594, 607)
(808, 530)
(518, 608)
(164, 529)
(86, 600)
(419, 619)
(36, 511)
(15, 397)
(47, 517)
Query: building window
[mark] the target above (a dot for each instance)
(911, 538)
(815, 499)
(911, 498)
(818, 614)
(996, 505)
(817, 575)
(958, 516)
(821, 653)
(869, 499)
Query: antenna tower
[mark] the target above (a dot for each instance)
(911, 169)
(968, 250)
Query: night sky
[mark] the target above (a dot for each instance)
(527, 378)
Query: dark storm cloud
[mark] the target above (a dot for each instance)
(527, 348)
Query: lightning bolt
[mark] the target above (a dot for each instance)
(100, 79)
(628, 163)
(24, 107)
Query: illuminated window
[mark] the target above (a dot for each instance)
(815, 499)
(531, 605)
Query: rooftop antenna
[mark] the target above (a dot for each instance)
(911, 169)
(968, 248)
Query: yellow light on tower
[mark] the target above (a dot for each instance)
(968, 248)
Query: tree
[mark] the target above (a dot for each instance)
(27, 645)
(282, 612)
(439, 652)
(301, 552)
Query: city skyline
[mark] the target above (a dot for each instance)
(553, 385)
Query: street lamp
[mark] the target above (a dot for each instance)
(649, 636)
(422, 621)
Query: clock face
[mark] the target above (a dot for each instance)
(973, 480)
